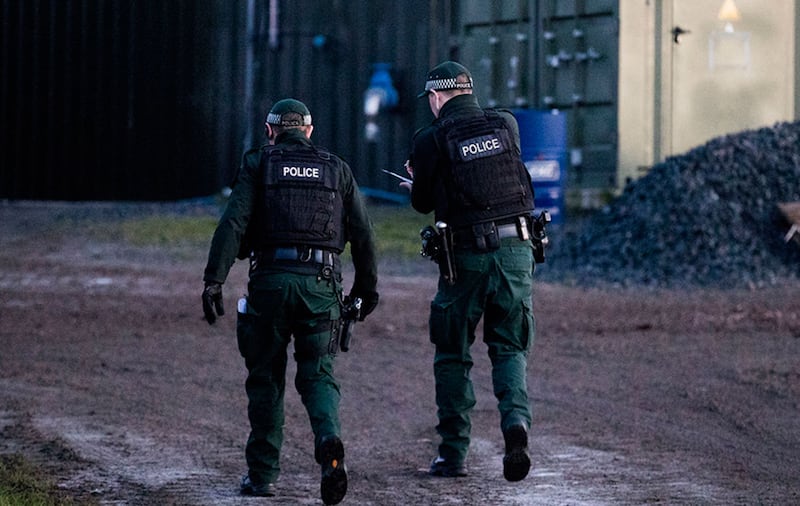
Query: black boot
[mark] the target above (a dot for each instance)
(330, 455)
(516, 462)
(248, 487)
(441, 467)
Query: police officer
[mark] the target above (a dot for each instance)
(466, 168)
(293, 207)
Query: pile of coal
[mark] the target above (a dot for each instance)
(708, 217)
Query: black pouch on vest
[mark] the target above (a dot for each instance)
(486, 238)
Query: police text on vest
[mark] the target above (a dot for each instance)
(480, 147)
(302, 172)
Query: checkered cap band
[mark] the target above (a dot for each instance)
(447, 84)
(276, 119)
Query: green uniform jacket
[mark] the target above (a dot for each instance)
(428, 192)
(233, 224)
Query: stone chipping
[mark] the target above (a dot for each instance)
(705, 218)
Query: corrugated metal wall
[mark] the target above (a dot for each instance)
(151, 100)
(325, 57)
(156, 100)
(580, 61)
(552, 55)
(99, 101)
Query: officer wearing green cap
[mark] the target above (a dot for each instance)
(293, 208)
(466, 168)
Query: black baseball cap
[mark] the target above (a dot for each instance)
(281, 108)
(443, 77)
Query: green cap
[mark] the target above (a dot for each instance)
(284, 107)
(443, 77)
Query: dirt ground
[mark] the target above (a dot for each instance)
(110, 379)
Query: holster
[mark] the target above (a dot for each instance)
(350, 313)
(447, 264)
(437, 245)
(539, 238)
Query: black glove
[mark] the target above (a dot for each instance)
(212, 299)
(369, 301)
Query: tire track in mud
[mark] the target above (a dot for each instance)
(110, 379)
(125, 467)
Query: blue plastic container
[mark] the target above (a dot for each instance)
(543, 140)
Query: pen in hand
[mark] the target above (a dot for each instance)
(398, 176)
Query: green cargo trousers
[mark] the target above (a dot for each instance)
(281, 305)
(495, 285)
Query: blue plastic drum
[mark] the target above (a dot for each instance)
(543, 139)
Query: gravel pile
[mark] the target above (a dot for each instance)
(705, 218)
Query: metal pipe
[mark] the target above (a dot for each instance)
(248, 73)
(274, 28)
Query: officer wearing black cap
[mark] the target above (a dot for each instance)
(466, 168)
(293, 207)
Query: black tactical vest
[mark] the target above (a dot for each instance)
(485, 179)
(301, 204)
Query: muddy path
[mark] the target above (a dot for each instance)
(111, 381)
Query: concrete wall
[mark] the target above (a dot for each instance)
(677, 95)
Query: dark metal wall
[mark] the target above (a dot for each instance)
(99, 99)
(325, 57)
(552, 55)
(580, 61)
(156, 100)
(147, 100)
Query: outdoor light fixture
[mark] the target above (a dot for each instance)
(729, 49)
(729, 13)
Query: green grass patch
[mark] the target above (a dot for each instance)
(396, 230)
(168, 230)
(22, 484)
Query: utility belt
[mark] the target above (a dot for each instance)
(325, 262)
(440, 241)
(487, 236)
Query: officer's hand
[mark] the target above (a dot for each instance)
(212, 300)
(369, 301)
(410, 171)
(409, 168)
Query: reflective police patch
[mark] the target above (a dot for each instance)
(480, 147)
(303, 172)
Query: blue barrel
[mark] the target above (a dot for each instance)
(543, 139)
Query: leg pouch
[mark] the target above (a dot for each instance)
(449, 330)
(316, 340)
(247, 331)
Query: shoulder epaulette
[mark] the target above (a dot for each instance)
(422, 129)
